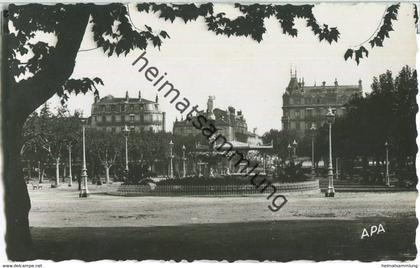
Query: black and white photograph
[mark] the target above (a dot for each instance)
(199, 131)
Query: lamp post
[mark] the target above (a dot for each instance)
(337, 170)
(330, 120)
(126, 131)
(294, 148)
(184, 171)
(70, 175)
(289, 148)
(39, 172)
(171, 156)
(387, 165)
(312, 131)
(84, 192)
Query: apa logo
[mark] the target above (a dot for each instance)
(373, 229)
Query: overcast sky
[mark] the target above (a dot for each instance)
(245, 74)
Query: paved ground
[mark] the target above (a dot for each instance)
(309, 226)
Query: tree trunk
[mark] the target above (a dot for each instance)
(107, 174)
(57, 171)
(41, 180)
(29, 170)
(17, 202)
(21, 99)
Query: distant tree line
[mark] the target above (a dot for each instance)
(48, 138)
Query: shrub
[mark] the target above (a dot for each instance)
(290, 172)
(221, 180)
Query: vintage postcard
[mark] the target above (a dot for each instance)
(210, 131)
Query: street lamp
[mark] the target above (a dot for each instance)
(126, 131)
(387, 165)
(171, 156)
(312, 131)
(184, 171)
(294, 148)
(84, 192)
(289, 148)
(70, 175)
(330, 120)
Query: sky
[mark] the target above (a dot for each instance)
(243, 73)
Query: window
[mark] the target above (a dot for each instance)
(113, 119)
(94, 118)
(132, 118)
(103, 118)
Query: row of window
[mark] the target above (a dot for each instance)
(303, 125)
(310, 113)
(316, 100)
(131, 128)
(149, 118)
(125, 107)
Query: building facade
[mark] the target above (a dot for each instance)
(304, 105)
(139, 114)
(230, 123)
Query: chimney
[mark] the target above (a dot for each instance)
(335, 82)
(303, 82)
(210, 114)
(156, 99)
(323, 83)
(126, 96)
(231, 110)
(139, 95)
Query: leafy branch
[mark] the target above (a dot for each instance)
(377, 39)
(251, 23)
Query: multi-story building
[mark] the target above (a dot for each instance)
(139, 114)
(230, 123)
(304, 105)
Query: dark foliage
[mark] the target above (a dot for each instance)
(251, 23)
(387, 114)
(377, 39)
(222, 180)
(290, 172)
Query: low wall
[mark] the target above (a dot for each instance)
(170, 190)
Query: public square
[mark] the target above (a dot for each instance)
(309, 226)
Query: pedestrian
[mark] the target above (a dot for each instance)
(79, 181)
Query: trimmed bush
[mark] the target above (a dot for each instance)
(222, 180)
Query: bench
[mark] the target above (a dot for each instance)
(36, 186)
